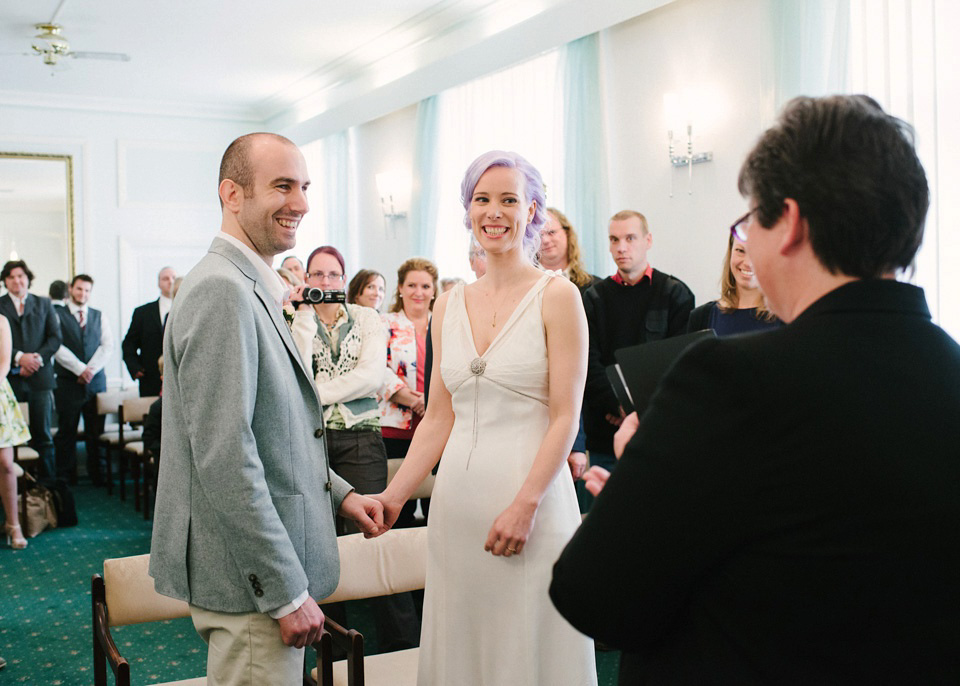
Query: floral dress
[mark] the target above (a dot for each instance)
(13, 428)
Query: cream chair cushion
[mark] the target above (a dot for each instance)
(392, 563)
(131, 598)
(199, 681)
(396, 669)
(423, 490)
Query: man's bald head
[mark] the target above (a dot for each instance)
(237, 165)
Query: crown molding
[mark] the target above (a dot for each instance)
(156, 108)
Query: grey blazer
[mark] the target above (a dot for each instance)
(244, 518)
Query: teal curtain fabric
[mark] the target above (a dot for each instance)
(423, 200)
(586, 190)
(811, 45)
(336, 199)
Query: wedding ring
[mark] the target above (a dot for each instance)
(512, 550)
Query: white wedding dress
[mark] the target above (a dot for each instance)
(488, 621)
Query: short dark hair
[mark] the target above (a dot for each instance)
(360, 281)
(235, 164)
(13, 264)
(854, 173)
(81, 277)
(58, 290)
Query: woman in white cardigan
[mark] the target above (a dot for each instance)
(344, 347)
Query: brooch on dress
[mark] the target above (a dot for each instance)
(477, 366)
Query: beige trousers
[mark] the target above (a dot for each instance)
(245, 649)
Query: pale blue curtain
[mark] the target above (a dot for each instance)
(336, 198)
(586, 191)
(811, 45)
(423, 200)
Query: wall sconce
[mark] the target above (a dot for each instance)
(680, 109)
(394, 190)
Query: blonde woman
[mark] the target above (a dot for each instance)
(13, 431)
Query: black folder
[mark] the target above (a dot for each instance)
(640, 368)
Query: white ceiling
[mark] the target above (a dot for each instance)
(279, 61)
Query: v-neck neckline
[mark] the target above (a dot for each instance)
(510, 319)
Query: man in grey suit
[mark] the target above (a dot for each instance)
(244, 526)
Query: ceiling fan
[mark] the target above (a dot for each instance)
(52, 46)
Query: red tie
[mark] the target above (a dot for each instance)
(21, 305)
(80, 318)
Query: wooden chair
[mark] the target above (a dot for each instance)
(125, 595)
(27, 460)
(393, 563)
(132, 411)
(108, 403)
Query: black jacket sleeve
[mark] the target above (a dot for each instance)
(598, 393)
(52, 337)
(131, 343)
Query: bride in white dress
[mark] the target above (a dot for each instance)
(510, 355)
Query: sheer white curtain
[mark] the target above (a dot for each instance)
(514, 109)
(902, 53)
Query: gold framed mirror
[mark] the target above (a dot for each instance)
(37, 215)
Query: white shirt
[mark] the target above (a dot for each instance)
(277, 289)
(165, 305)
(68, 360)
(275, 286)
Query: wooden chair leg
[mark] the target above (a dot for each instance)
(135, 472)
(122, 472)
(108, 458)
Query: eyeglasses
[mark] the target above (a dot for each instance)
(739, 227)
(320, 276)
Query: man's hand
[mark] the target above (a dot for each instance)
(595, 479)
(86, 376)
(627, 428)
(577, 462)
(139, 374)
(366, 512)
(302, 627)
(616, 419)
(30, 363)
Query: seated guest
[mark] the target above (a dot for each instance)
(478, 259)
(367, 288)
(788, 510)
(294, 265)
(13, 431)
(449, 283)
(345, 350)
(87, 345)
(741, 308)
(560, 250)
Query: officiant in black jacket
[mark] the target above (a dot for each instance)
(788, 511)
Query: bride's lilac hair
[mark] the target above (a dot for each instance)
(532, 189)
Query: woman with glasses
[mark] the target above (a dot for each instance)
(560, 250)
(741, 308)
(343, 346)
(367, 288)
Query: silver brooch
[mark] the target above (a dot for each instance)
(478, 366)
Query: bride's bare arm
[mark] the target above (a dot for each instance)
(432, 434)
(566, 332)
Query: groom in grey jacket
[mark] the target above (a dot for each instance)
(244, 527)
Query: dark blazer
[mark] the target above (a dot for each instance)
(37, 331)
(143, 345)
(789, 509)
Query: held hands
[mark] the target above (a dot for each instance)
(616, 419)
(303, 626)
(391, 510)
(86, 376)
(510, 530)
(595, 479)
(366, 512)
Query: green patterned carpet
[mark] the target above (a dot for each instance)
(45, 614)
